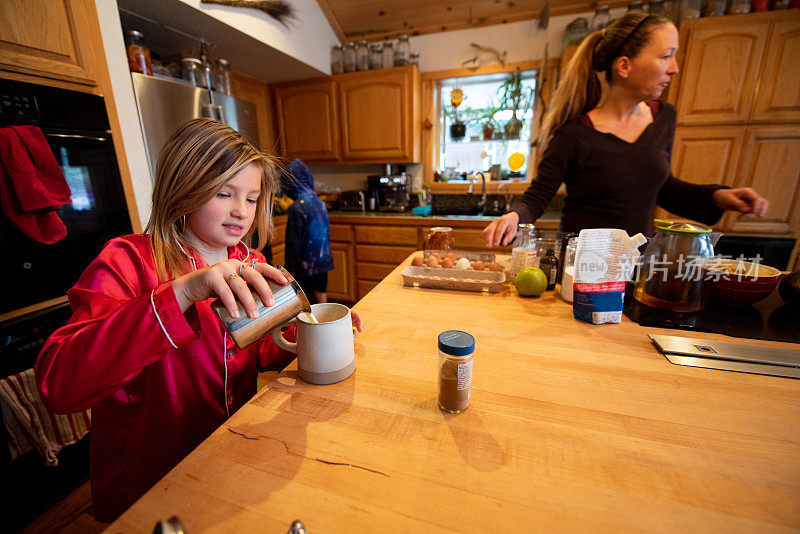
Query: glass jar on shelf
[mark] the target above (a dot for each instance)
(362, 55)
(337, 59)
(350, 57)
(713, 8)
(637, 6)
(657, 7)
(601, 18)
(191, 70)
(739, 7)
(401, 51)
(690, 9)
(375, 56)
(138, 54)
(413, 59)
(388, 54)
(222, 77)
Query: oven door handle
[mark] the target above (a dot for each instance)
(76, 136)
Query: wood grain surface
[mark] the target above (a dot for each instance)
(571, 427)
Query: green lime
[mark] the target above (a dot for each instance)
(530, 282)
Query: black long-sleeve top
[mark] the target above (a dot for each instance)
(615, 184)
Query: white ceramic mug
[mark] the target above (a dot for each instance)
(325, 350)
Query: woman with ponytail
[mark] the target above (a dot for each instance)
(610, 141)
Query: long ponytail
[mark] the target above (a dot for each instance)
(580, 89)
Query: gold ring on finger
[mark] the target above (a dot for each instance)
(232, 277)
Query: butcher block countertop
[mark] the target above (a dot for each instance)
(571, 426)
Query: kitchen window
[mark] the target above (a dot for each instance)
(490, 124)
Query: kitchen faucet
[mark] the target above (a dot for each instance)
(507, 195)
(482, 203)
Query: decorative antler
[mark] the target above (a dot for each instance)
(277, 9)
(501, 58)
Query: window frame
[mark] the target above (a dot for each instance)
(431, 132)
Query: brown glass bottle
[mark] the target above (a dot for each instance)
(549, 264)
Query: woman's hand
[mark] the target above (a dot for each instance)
(744, 199)
(501, 230)
(218, 280)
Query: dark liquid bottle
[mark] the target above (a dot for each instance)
(549, 265)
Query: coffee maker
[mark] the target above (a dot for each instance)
(390, 191)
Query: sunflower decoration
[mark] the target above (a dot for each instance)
(456, 97)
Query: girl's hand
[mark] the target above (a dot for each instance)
(218, 280)
(358, 322)
(501, 230)
(744, 199)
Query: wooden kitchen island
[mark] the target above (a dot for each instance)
(571, 427)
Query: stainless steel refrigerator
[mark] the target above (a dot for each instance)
(164, 104)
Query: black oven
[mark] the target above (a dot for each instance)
(37, 276)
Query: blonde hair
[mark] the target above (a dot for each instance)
(199, 157)
(580, 88)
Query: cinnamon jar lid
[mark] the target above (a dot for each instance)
(456, 343)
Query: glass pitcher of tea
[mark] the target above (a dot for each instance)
(673, 267)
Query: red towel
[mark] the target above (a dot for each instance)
(32, 186)
(31, 425)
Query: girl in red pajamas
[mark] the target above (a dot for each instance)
(143, 349)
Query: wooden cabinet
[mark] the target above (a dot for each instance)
(720, 71)
(364, 117)
(379, 118)
(778, 97)
(739, 113)
(341, 280)
(50, 38)
(258, 93)
(770, 164)
(307, 120)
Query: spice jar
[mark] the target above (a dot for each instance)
(388, 54)
(439, 238)
(455, 370)
(375, 56)
(337, 59)
(401, 51)
(138, 53)
(222, 77)
(362, 56)
(350, 57)
(191, 70)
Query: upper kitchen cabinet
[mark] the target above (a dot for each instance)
(363, 117)
(380, 115)
(49, 38)
(778, 97)
(307, 120)
(720, 70)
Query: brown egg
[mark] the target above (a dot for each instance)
(448, 263)
(478, 265)
(437, 255)
(451, 256)
(417, 261)
(432, 261)
(494, 266)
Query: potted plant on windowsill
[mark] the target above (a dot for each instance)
(457, 129)
(514, 97)
(489, 123)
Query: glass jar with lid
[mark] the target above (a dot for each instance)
(637, 6)
(191, 70)
(362, 55)
(657, 7)
(388, 54)
(375, 56)
(337, 59)
(714, 8)
(401, 51)
(690, 9)
(739, 7)
(350, 57)
(456, 349)
(601, 18)
(138, 54)
(413, 59)
(222, 77)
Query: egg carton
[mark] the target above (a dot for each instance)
(463, 280)
(471, 256)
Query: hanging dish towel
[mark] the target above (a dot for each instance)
(32, 186)
(31, 424)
